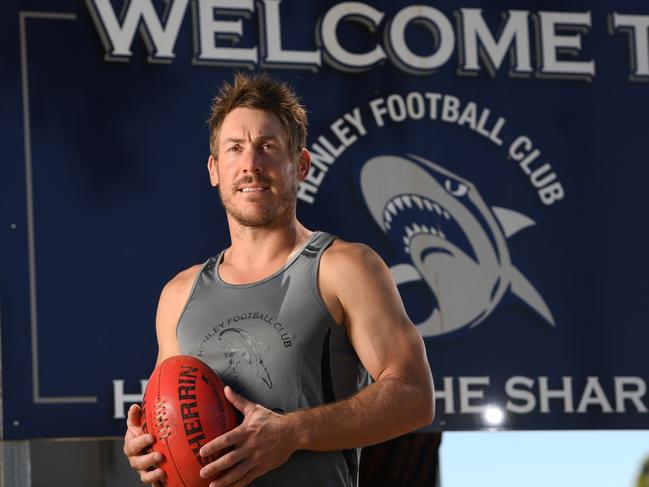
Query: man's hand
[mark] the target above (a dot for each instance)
(261, 443)
(135, 444)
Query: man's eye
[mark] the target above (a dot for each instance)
(269, 146)
(234, 148)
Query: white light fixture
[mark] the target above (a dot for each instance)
(493, 415)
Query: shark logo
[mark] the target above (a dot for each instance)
(448, 237)
(244, 356)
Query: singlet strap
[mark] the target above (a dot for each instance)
(319, 242)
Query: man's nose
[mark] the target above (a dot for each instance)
(251, 161)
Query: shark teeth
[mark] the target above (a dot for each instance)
(410, 201)
(387, 215)
(407, 202)
(414, 229)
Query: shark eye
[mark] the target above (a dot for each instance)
(460, 189)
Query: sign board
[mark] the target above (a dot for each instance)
(494, 156)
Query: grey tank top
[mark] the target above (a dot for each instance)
(275, 343)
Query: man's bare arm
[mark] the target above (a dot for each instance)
(172, 302)
(389, 346)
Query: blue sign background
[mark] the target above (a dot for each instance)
(112, 159)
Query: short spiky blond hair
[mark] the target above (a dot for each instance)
(260, 92)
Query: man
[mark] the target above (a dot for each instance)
(291, 319)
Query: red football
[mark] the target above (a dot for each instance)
(184, 407)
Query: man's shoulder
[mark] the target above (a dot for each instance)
(172, 301)
(343, 256)
(180, 285)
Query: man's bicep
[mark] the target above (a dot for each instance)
(378, 327)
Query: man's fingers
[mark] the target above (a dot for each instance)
(222, 442)
(144, 462)
(153, 477)
(137, 444)
(239, 402)
(134, 414)
(235, 473)
(228, 460)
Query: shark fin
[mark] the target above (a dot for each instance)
(522, 288)
(511, 221)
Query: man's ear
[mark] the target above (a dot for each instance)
(303, 164)
(211, 168)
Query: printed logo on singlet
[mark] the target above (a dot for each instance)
(242, 352)
(245, 356)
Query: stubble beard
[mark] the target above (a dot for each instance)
(269, 215)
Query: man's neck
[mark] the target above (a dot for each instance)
(257, 252)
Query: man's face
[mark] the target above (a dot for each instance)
(256, 174)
